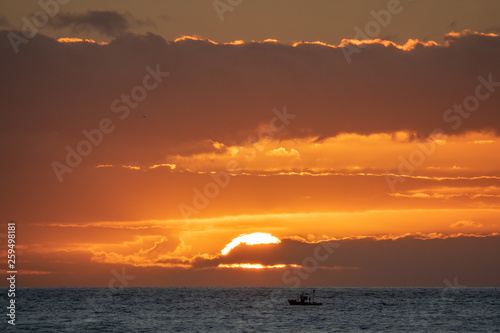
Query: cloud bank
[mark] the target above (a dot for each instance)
(53, 93)
(224, 92)
(405, 261)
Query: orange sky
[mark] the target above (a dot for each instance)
(357, 174)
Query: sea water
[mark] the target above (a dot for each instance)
(254, 310)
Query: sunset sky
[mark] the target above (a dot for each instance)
(251, 143)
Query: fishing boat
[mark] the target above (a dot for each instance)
(304, 299)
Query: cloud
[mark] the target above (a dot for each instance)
(292, 251)
(449, 192)
(407, 261)
(385, 89)
(395, 260)
(466, 223)
(283, 152)
(160, 254)
(108, 23)
(221, 93)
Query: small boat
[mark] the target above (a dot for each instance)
(304, 299)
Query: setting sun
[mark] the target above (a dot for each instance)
(251, 239)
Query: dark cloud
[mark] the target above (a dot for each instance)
(109, 23)
(363, 262)
(52, 91)
(407, 261)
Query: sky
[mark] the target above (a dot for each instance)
(251, 143)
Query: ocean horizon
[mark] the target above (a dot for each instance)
(255, 309)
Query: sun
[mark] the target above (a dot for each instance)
(251, 239)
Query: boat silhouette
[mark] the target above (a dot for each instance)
(304, 299)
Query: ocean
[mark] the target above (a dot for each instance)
(254, 310)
